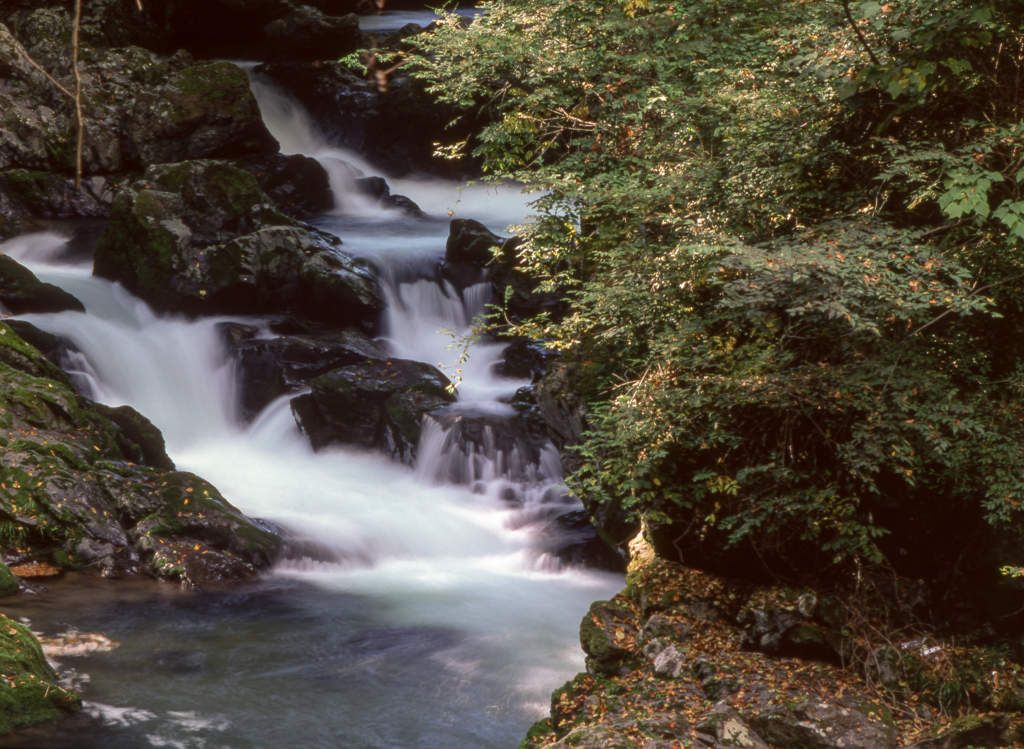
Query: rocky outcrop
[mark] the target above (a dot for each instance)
(201, 237)
(525, 359)
(74, 496)
(665, 668)
(136, 112)
(379, 404)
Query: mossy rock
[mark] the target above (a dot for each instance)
(200, 237)
(605, 636)
(29, 694)
(140, 434)
(202, 111)
(377, 404)
(71, 494)
(8, 582)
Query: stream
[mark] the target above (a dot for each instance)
(433, 617)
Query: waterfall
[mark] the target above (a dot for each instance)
(424, 613)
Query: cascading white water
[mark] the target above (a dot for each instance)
(428, 620)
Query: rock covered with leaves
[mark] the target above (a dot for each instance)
(668, 664)
(78, 490)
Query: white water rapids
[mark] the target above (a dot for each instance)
(433, 621)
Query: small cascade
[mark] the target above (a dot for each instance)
(481, 441)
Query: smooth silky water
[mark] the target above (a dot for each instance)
(430, 617)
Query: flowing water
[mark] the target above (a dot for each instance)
(430, 617)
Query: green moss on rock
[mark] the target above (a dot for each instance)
(8, 582)
(29, 693)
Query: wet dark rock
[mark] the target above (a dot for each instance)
(525, 359)
(495, 434)
(471, 242)
(271, 368)
(200, 237)
(397, 40)
(378, 188)
(21, 292)
(375, 187)
(397, 128)
(473, 252)
(404, 204)
(379, 404)
(298, 185)
(308, 34)
(580, 546)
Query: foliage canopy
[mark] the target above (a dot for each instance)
(791, 233)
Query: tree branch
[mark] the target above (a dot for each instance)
(37, 66)
(857, 31)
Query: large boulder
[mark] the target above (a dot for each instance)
(379, 404)
(202, 111)
(201, 237)
(469, 241)
(136, 111)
